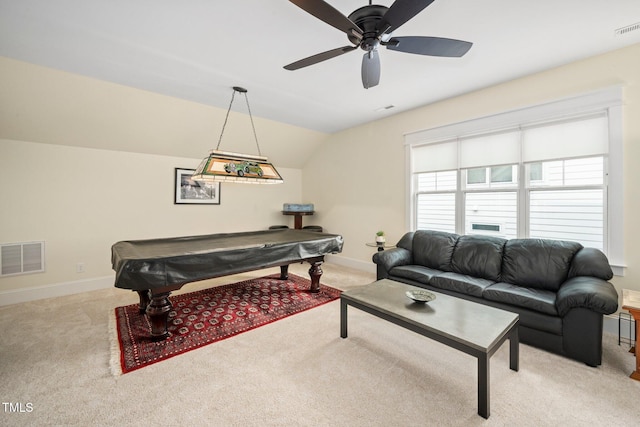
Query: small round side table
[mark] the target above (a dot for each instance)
(381, 246)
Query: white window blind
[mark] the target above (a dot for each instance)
(489, 150)
(581, 137)
(435, 157)
(576, 138)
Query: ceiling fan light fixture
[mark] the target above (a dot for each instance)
(371, 26)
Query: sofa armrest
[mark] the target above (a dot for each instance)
(590, 262)
(588, 292)
(390, 258)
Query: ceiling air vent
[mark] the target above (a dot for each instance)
(386, 107)
(21, 258)
(624, 30)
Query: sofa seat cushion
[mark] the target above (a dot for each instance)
(531, 298)
(461, 283)
(416, 273)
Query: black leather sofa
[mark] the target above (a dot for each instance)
(559, 288)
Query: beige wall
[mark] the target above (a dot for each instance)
(80, 201)
(69, 173)
(76, 169)
(357, 179)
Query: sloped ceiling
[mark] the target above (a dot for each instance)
(198, 50)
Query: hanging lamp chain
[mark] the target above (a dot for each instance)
(224, 125)
(226, 118)
(255, 135)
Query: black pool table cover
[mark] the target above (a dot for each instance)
(161, 263)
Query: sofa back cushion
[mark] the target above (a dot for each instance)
(538, 263)
(478, 256)
(434, 249)
(406, 242)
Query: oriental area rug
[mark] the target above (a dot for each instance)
(204, 317)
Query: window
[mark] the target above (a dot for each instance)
(491, 213)
(561, 199)
(525, 174)
(492, 175)
(477, 176)
(501, 174)
(567, 202)
(436, 200)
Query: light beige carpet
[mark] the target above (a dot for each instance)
(54, 354)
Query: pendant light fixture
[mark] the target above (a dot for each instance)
(223, 166)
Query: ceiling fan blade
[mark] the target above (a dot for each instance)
(327, 13)
(432, 46)
(319, 57)
(370, 69)
(400, 12)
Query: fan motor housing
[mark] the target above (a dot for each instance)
(367, 18)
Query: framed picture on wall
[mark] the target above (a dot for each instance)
(190, 192)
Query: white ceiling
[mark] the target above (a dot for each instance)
(198, 49)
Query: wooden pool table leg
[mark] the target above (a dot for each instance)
(315, 272)
(158, 312)
(144, 301)
(284, 272)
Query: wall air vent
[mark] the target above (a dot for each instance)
(21, 258)
(624, 30)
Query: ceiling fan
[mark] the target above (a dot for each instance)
(371, 26)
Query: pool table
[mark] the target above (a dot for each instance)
(156, 267)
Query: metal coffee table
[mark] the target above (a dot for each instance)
(472, 328)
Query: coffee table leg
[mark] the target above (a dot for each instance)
(343, 318)
(514, 350)
(483, 386)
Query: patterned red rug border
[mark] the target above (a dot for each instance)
(124, 314)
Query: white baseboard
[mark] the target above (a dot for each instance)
(369, 267)
(611, 325)
(69, 288)
(55, 290)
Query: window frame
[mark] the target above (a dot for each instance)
(608, 101)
